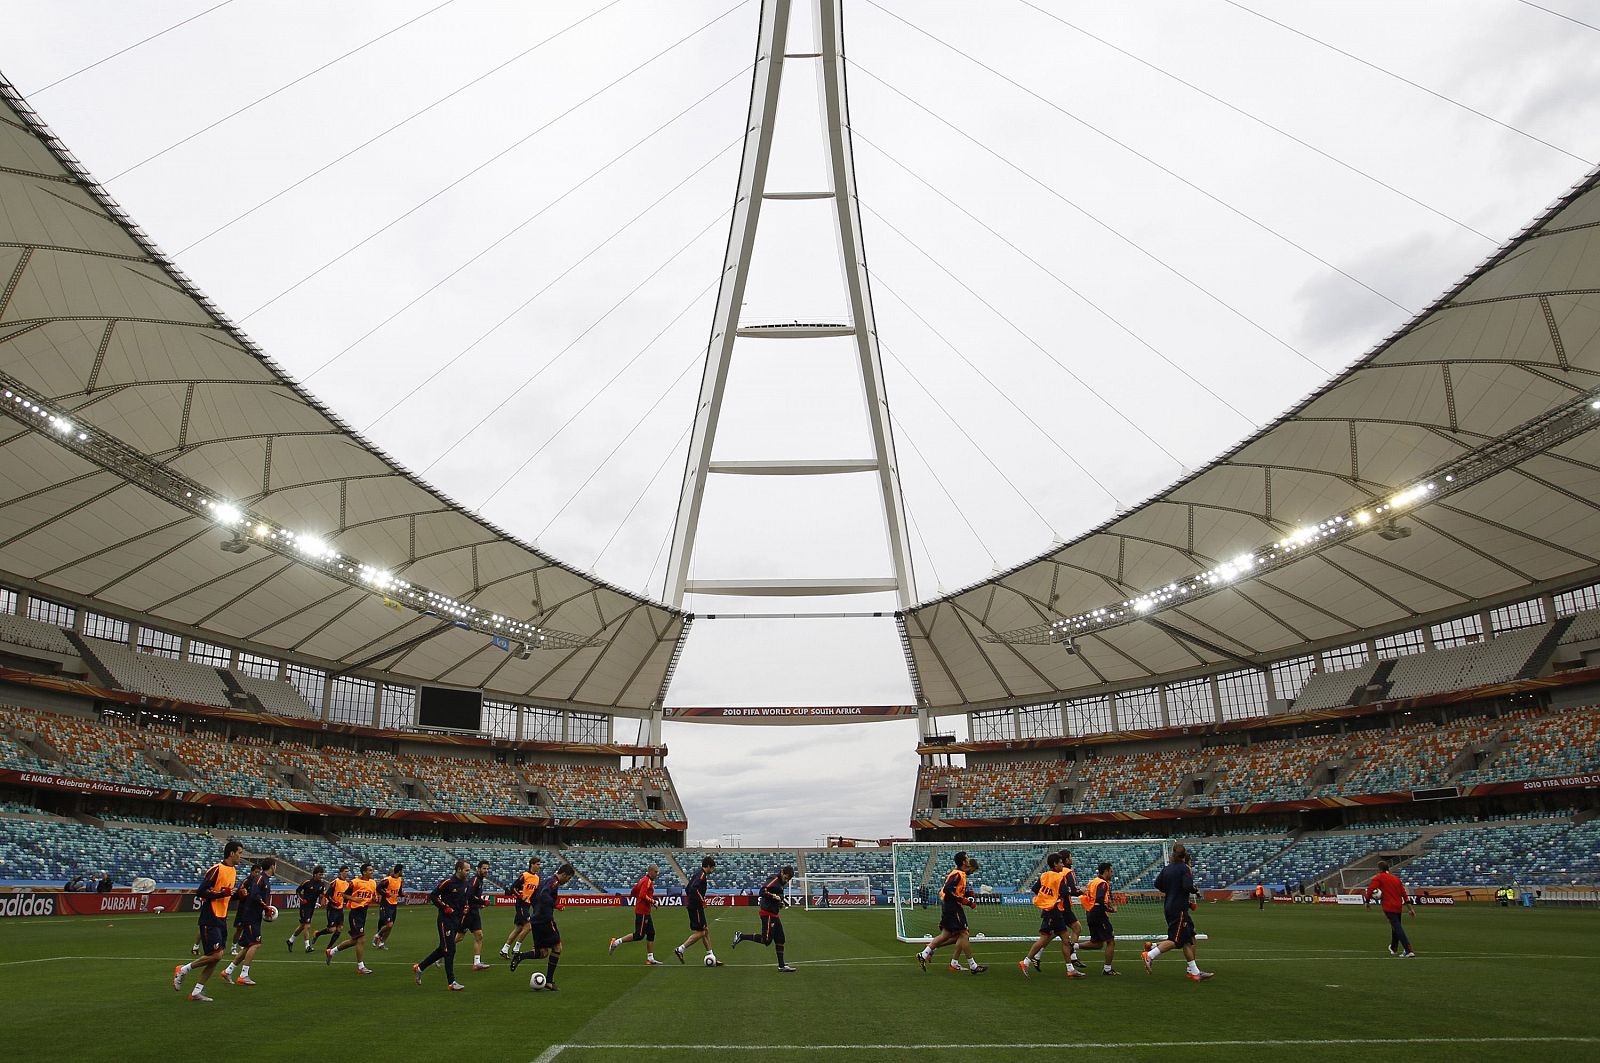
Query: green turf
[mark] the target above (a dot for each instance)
(1289, 974)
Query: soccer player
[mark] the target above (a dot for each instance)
(255, 897)
(643, 896)
(477, 898)
(1261, 896)
(955, 899)
(1393, 897)
(363, 891)
(310, 892)
(451, 898)
(522, 888)
(694, 903)
(1176, 881)
(390, 887)
(338, 892)
(772, 902)
(215, 892)
(1052, 900)
(1097, 910)
(1069, 890)
(542, 923)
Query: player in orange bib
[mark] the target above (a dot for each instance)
(359, 898)
(1052, 895)
(521, 889)
(215, 892)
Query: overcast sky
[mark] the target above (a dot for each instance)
(1107, 241)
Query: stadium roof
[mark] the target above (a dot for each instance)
(1517, 338)
(97, 320)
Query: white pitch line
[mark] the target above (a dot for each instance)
(554, 1051)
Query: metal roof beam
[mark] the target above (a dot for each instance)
(756, 588)
(795, 467)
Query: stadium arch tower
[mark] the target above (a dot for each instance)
(854, 319)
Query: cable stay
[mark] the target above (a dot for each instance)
(458, 90)
(1047, 271)
(431, 377)
(1107, 226)
(968, 437)
(1129, 148)
(877, 279)
(540, 449)
(502, 153)
(281, 88)
(524, 223)
(1407, 81)
(1018, 329)
(1258, 120)
(520, 388)
(123, 51)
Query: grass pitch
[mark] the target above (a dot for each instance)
(1292, 983)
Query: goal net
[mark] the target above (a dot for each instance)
(836, 891)
(1006, 870)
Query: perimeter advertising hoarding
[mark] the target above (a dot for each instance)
(792, 714)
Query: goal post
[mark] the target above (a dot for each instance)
(840, 891)
(1006, 870)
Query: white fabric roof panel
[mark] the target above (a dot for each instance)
(1518, 338)
(94, 317)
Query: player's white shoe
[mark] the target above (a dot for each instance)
(678, 952)
(611, 951)
(455, 987)
(177, 978)
(200, 998)
(1144, 954)
(482, 966)
(651, 961)
(416, 973)
(1026, 966)
(784, 968)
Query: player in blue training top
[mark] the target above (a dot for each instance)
(1176, 881)
(772, 902)
(477, 900)
(450, 897)
(542, 924)
(694, 903)
(255, 897)
(310, 893)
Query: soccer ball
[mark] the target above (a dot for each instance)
(711, 959)
(271, 912)
(536, 982)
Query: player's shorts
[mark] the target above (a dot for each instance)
(386, 914)
(1180, 931)
(358, 921)
(771, 928)
(644, 927)
(249, 933)
(336, 917)
(213, 934)
(545, 935)
(1068, 916)
(697, 917)
(523, 913)
(1053, 921)
(306, 912)
(953, 918)
(1100, 927)
(472, 921)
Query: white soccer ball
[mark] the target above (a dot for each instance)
(711, 959)
(271, 913)
(536, 981)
